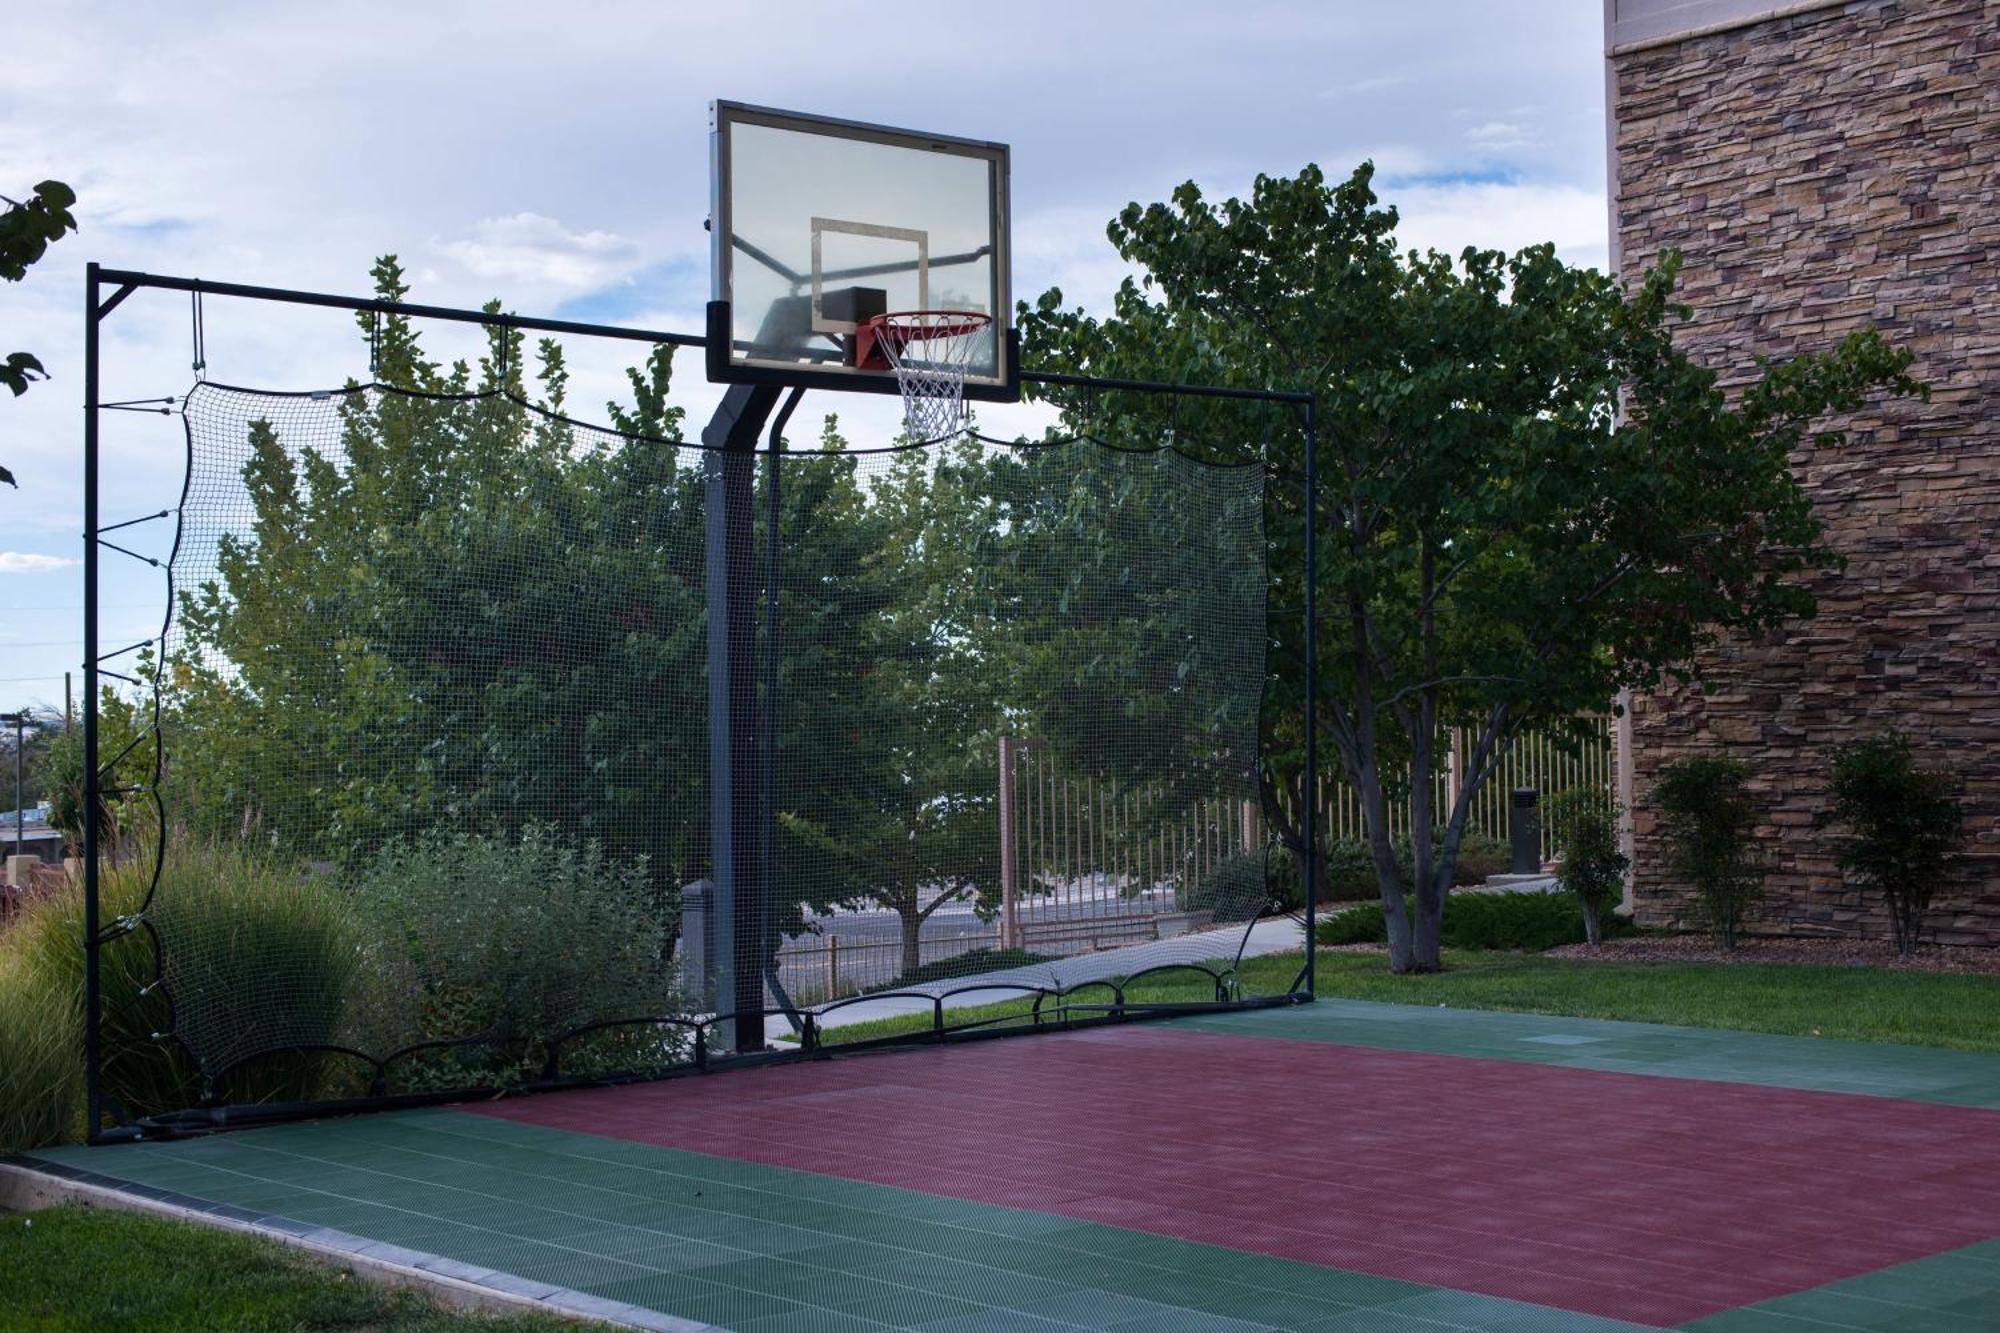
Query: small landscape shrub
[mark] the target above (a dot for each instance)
(1246, 885)
(967, 965)
(516, 941)
(1905, 825)
(1350, 866)
(1584, 822)
(1709, 817)
(1528, 921)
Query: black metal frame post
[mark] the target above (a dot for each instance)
(1312, 692)
(93, 1049)
(735, 789)
(767, 807)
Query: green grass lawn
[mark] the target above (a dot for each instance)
(106, 1271)
(1860, 1003)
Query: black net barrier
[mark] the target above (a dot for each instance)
(441, 771)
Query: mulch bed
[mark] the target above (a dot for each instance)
(1820, 952)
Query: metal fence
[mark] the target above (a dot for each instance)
(1089, 864)
(1543, 760)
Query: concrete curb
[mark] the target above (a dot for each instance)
(28, 1183)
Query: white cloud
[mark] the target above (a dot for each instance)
(1494, 135)
(539, 251)
(28, 562)
(1497, 215)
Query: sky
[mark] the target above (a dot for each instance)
(557, 158)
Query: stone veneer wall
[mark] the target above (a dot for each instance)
(1822, 172)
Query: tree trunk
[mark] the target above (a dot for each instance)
(1424, 955)
(913, 929)
(1388, 875)
(1593, 932)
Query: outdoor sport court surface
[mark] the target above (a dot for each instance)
(1341, 1166)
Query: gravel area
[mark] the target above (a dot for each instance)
(1822, 952)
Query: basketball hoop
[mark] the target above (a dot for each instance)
(930, 351)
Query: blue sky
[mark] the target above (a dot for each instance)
(556, 157)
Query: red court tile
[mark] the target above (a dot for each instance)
(1632, 1196)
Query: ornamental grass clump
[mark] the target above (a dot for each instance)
(258, 958)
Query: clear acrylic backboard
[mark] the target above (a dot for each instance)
(818, 224)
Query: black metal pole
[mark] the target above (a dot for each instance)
(287, 296)
(92, 1050)
(768, 723)
(734, 754)
(20, 810)
(1312, 689)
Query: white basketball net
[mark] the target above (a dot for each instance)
(930, 351)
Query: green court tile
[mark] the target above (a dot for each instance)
(689, 1298)
(1101, 1310)
(852, 1256)
(1182, 1321)
(1466, 1309)
(1963, 1078)
(996, 1321)
(904, 1309)
(980, 1284)
(553, 1264)
(813, 1321)
(1374, 1321)
(1954, 1292)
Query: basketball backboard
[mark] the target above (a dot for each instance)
(816, 224)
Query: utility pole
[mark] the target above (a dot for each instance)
(20, 721)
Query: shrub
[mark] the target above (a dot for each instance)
(967, 967)
(1350, 872)
(258, 957)
(1709, 817)
(1350, 866)
(1905, 825)
(516, 942)
(1361, 924)
(125, 746)
(1584, 822)
(1529, 921)
(1479, 857)
(1245, 885)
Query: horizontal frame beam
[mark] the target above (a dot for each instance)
(454, 314)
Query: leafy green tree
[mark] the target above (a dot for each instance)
(27, 229)
(451, 610)
(1494, 554)
(1905, 825)
(125, 748)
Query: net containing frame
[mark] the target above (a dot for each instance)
(441, 744)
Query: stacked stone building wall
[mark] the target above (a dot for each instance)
(1821, 172)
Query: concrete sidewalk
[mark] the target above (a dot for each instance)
(1215, 947)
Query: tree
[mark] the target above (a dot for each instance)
(1905, 826)
(27, 229)
(445, 608)
(1709, 817)
(1590, 866)
(1494, 554)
